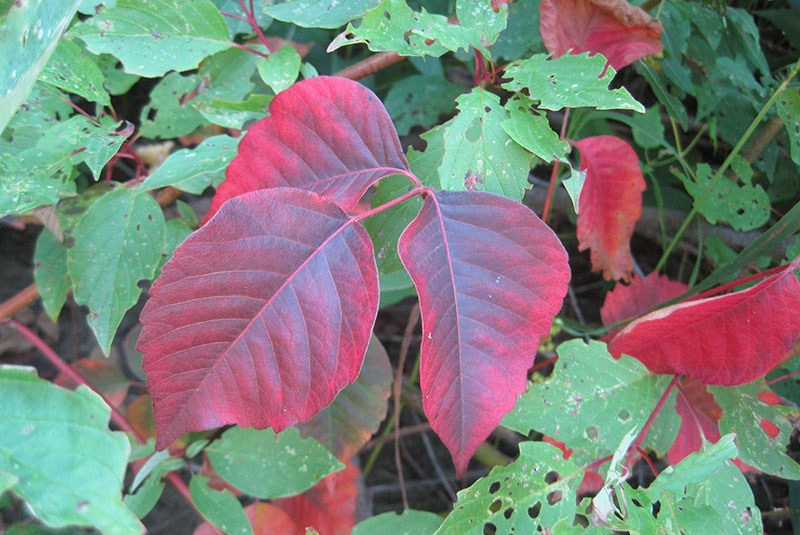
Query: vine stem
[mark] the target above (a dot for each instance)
(419, 190)
(783, 378)
(76, 377)
(370, 65)
(643, 433)
(725, 164)
(554, 174)
(251, 18)
(397, 388)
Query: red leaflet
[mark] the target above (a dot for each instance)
(728, 340)
(490, 277)
(610, 204)
(261, 317)
(621, 32)
(698, 411)
(625, 302)
(328, 135)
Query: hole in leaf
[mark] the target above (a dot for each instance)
(592, 433)
(551, 477)
(636, 502)
(495, 506)
(533, 510)
(624, 415)
(494, 487)
(489, 529)
(387, 15)
(581, 520)
(508, 512)
(554, 497)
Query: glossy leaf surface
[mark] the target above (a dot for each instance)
(616, 29)
(261, 317)
(328, 135)
(610, 203)
(490, 277)
(728, 340)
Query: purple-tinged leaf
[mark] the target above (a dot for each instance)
(490, 277)
(261, 317)
(325, 134)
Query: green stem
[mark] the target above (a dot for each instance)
(720, 172)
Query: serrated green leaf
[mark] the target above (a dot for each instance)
(728, 493)
(73, 72)
(419, 100)
(742, 413)
(151, 38)
(221, 508)
(569, 81)
(478, 154)
(236, 26)
(70, 466)
(588, 381)
(532, 130)
(235, 114)
(118, 242)
(789, 111)
(534, 492)
(411, 522)
(266, 465)
(30, 31)
(319, 13)
(50, 272)
(394, 26)
(194, 170)
(280, 69)
(744, 207)
(483, 17)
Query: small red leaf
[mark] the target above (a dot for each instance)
(261, 317)
(490, 277)
(610, 204)
(728, 340)
(769, 397)
(328, 135)
(625, 302)
(621, 32)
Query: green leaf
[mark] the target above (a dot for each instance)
(483, 17)
(194, 170)
(419, 100)
(118, 242)
(535, 491)
(148, 482)
(26, 182)
(319, 13)
(187, 214)
(50, 272)
(89, 7)
(266, 465)
(70, 210)
(71, 71)
(572, 81)
(789, 110)
(675, 108)
(647, 130)
(518, 40)
(7, 481)
(532, 130)
(694, 468)
(411, 522)
(221, 508)
(394, 26)
(118, 82)
(280, 69)
(744, 207)
(151, 38)
(574, 186)
(728, 493)
(176, 231)
(235, 114)
(57, 443)
(586, 382)
(478, 154)
(146, 497)
(236, 26)
(743, 413)
(29, 32)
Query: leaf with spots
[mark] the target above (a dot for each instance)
(528, 496)
(280, 69)
(73, 71)
(247, 322)
(118, 242)
(482, 316)
(220, 507)
(572, 81)
(532, 130)
(789, 111)
(761, 424)
(478, 153)
(486, 17)
(78, 483)
(319, 13)
(266, 465)
(151, 38)
(728, 493)
(586, 382)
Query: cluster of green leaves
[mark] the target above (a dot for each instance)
(104, 237)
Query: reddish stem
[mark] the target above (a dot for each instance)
(538, 366)
(18, 302)
(597, 463)
(643, 433)
(116, 416)
(719, 289)
(554, 174)
(248, 49)
(782, 378)
(251, 18)
(371, 65)
(648, 461)
(231, 15)
(414, 192)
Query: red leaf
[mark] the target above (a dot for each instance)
(490, 277)
(621, 32)
(610, 204)
(328, 135)
(728, 340)
(698, 411)
(625, 302)
(329, 506)
(261, 317)
(358, 410)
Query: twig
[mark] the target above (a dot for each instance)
(371, 65)
(251, 18)
(643, 433)
(436, 466)
(404, 432)
(554, 174)
(413, 317)
(18, 302)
